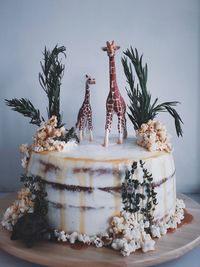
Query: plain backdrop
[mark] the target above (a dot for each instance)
(166, 32)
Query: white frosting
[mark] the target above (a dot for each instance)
(95, 150)
(69, 146)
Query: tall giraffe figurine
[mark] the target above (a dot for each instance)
(115, 102)
(84, 118)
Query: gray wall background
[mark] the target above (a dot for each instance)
(167, 32)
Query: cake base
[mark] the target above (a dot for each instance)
(170, 246)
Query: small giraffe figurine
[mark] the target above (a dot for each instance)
(84, 118)
(115, 102)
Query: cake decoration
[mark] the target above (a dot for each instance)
(31, 225)
(153, 136)
(115, 102)
(51, 135)
(142, 109)
(85, 113)
(134, 234)
(31, 200)
(23, 204)
(129, 191)
(137, 189)
(50, 80)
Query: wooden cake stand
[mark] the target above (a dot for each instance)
(171, 246)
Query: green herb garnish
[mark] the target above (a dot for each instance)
(142, 109)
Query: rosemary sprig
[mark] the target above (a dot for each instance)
(131, 192)
(69, 135)
(26, 108)
(50, 79)
(141, 107)
(151, 194)
(130, 195)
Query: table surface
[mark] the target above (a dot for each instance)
(191, 257)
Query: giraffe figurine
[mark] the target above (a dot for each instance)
(115, 102)
(84, 118)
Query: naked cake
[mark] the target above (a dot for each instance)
(84, 185)
(113, 191)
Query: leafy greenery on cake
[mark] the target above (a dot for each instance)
(50, 81)
(136, 191)
(26, 108)
(142, 108)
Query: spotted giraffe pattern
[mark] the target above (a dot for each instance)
(84, 119)
(115, 102)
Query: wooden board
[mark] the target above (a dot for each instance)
(169, 247)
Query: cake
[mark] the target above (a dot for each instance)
(102, 190)
(84, 185)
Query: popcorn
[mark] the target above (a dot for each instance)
(153, 136)
(128, 248)
(155, 231)
(45, 136)
(73, 237)
(84, 238)
(148, 244)
(63, 236)
(98, 242)
(25, 149)
(45, 139)
(23, 204)
(118, 243)
(133, 234)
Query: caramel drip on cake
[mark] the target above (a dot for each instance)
(174, 186)
(60, 178)
(82, 183)
(116, 184)
(164, 189)
(91, 180)
(62, 211)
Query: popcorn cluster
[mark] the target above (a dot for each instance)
(45, 140)
(160, 229)
(25, 150)
(97, 241)
(153, 136)
(45, 136)
(23, 204)
(130, 234)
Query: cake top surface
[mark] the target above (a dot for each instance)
(95, 151)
